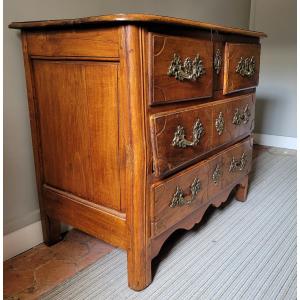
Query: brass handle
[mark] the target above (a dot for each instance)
(179, 199)
(246, 67)
(179, 136)
(238, 164)
(240, 116)
(216, 176)
(218, 61)
(188, 70)
(220, 123)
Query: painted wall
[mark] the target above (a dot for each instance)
(20, 197)
(277, 93)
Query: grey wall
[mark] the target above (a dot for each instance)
(277, 93)
(20, 198)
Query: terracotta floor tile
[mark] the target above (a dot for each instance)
(16, 281)
(70, 250)
(30, 260)
(38, 270)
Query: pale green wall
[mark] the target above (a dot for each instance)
(276, 107)
(20, 199)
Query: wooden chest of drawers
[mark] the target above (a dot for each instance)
(139, 124)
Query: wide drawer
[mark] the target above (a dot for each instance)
(241, 66)
(181, 68)
(180, 195)
(181, 136)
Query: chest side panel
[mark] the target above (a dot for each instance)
(78, 117)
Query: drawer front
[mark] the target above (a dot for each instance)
(228, 167)
(241, 66)
(180, 136)
(175, 198)
(181, 68)
(232, 119)
(237, 162)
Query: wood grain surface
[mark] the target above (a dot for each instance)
(168, 88)
(78, 109)
(168, 158)
(100, 42)
(164, 216)
(133, 19)
(233, 81)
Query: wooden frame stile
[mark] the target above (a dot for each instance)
(51, 227)
(138, 254)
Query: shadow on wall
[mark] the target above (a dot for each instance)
(261, 106)
(272, 109)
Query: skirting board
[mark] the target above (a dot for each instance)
(25, 238)
(275, 141)
(22, 240)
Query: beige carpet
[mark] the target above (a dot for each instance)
(242, 251)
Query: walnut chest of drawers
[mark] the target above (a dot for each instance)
(139, 123)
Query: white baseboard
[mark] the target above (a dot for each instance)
(21, 221)
(22, 240)
(275, 141)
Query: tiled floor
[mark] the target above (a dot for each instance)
(40, 269)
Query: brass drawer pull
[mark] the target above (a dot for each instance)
(238, 165)
(216, 176)
(220, 123)
(179, 199)
(246, 67)
(218, 61)
(179, 136)
(241, 116)
(188, 70)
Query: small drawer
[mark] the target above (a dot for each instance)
(241, 66)
(180, 136)
(178, 196)
(233, 118)
(181, 68)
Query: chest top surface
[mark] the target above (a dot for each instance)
(145, 19)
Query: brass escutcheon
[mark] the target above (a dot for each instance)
(179, 136)
(188, 70)
(179, 199)
(246, 67)
(238, 164)
(220, 123)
